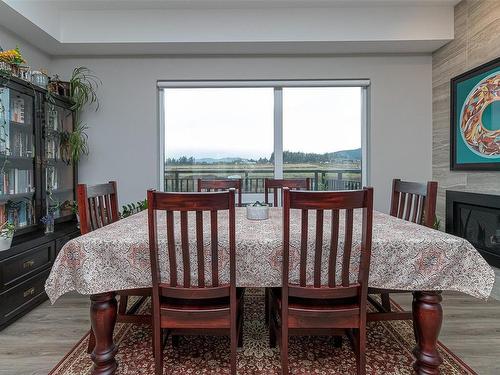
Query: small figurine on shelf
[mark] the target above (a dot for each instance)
(6, 234)
(48, 221)
(59, 87)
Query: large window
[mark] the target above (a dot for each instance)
(236, 131)
(322, 136)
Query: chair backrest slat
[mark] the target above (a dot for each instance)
(409, 204)
(416, 200)
(303, 246)
(187, 204)
(413, 201)
(200, 248)
(335, 202)
(172, 257)
(277, 185)
(97, 205)
(319, 248)
(102, 210)
(346, 260)
(334, 244)
(221, 185)
(402, 200)
(215, 248)
(185, 249)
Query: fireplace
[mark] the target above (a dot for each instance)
(475, 217)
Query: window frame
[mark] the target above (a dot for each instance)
(278, 86)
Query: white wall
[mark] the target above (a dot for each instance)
(123, 134)
(36, 59)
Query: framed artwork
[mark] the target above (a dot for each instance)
(475, 119)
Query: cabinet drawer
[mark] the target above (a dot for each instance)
(23, 295)
(26, 263)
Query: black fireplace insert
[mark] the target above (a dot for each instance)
(475, 217)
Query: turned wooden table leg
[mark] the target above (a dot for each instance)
(103, 318)
(427, 319)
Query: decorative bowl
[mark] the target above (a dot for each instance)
(257, 212)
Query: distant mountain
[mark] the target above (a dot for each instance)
(348, 154)
(220, 160)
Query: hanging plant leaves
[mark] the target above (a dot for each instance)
(74, 144)
(83, 86)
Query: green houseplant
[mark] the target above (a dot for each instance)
(6, 234)
(133, 208)
(83, 87)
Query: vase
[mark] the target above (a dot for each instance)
(49, 227)
(5, 243)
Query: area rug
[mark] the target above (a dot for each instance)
(389, 346)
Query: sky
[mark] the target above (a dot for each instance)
(238, 122)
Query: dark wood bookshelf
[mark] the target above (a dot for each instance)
(25, 266)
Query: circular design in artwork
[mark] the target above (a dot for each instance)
(479, 132)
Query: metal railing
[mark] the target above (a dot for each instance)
(185, 179)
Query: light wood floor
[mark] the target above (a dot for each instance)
(35, 343)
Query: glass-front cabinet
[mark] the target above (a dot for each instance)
(59, 172)
(36, 175)
(18, 157)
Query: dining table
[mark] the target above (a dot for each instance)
(405, 257)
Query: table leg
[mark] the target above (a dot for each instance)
(103, 318)
(427, 319)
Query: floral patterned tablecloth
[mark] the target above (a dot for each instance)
(405, 256)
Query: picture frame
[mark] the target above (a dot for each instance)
(475, 119)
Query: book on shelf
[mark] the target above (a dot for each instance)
(18, 112)
(21, 144)
(53, 120)
(52, 149)
(23, 214)
(4, 121)
(17, 181)
(20, 213)
(52, 180)
(3, 213)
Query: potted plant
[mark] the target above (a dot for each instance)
(10, 61)
(258, 211)
(133, 208)
(82, 92)
(6, 234)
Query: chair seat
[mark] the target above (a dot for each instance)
(197, 314)
(295, 303)
(209, 304)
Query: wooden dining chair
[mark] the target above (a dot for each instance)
(410, 201)
(220, 185)
(98, 207)
(202, 305)
(277, 185)
(322, 303)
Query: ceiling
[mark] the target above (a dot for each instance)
(230, 27)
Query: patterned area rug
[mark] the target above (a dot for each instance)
(388, 351)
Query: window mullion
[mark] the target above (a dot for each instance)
(278, 132)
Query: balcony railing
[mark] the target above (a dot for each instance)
(185, 179)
